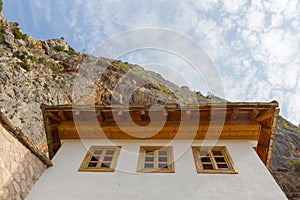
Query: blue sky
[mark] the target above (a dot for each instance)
(254, 45)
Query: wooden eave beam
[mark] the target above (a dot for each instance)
(53, 116)
(267, 114)
(68, 130)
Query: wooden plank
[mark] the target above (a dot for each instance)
(168, 126)
(90, 130)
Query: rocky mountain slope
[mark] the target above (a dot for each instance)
(285, 166)
(33, 72)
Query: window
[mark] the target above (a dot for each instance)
(213, 160)
(100, 159)
(156, 159)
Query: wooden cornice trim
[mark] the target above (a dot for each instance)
(272, 137)
(23, 139)
(244, 105)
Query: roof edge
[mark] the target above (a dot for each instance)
(272, 104)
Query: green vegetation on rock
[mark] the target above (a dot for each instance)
(285, 125)
(72, 51)
(23, 56)
(296, 164)
(123, 66)
(1, 6)
(211, 101)
(25, 65)
(59, 48)
(136, 73)
(164, 89)
(54, 68)
(1, 32)
(18, 34)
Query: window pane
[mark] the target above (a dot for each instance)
(95, 158)
(220, 159)
(203, 153)
(110, 152)
(163, 166)
(222, 166)
(162, 152)
(149, 153)
(105, 165)
(92, 164)
(99, 152)
(217, 153)
(162, 159)
(149, 159)
(207, 166)
(205, 159)
(149, 165)
(107, 158)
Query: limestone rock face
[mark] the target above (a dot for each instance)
(285, 165)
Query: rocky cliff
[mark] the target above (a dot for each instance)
(33, 72)
(285, 166)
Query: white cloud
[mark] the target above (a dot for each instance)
(278, 46)
(206, 5)
(274, 75)
(233, 6)
(276, 6)
(256, 20)
(292, 9)
(250, 38)
(293, 107)
(277, 20)
(290, 75)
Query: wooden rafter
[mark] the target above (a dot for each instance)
(61, 115)
(234, 114)
(253, 114)
(267, 114)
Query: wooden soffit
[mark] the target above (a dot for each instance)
(228, 121)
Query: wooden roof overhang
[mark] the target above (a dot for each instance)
(226, 121)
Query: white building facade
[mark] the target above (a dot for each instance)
(200, 152)
(64, 181)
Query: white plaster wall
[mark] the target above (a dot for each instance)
(63, 181)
